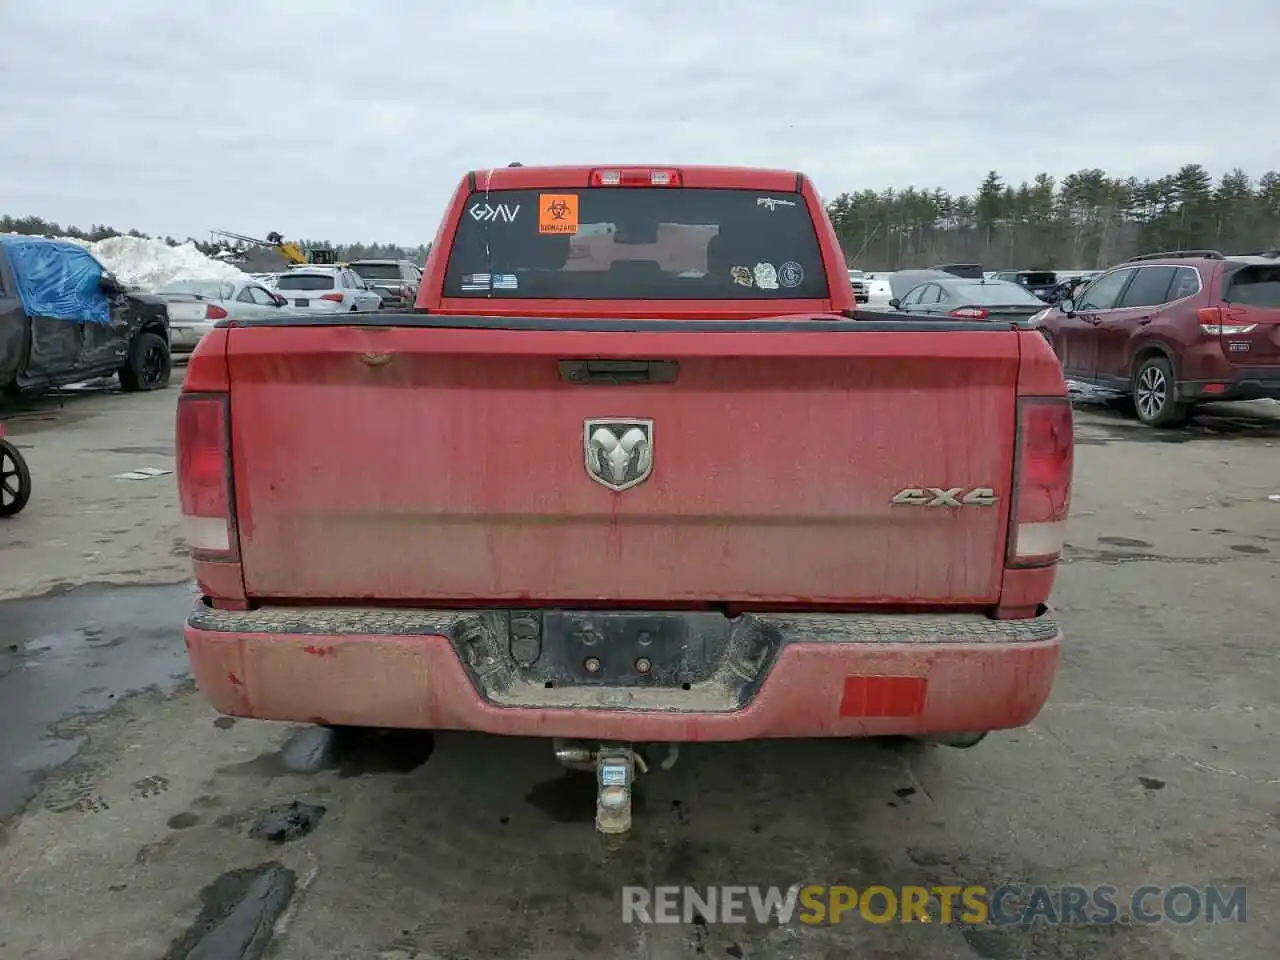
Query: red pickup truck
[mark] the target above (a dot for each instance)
(633, 472)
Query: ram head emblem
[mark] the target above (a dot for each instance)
(619, 452)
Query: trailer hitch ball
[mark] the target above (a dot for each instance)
(615, 774)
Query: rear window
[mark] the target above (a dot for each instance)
(995, 294)
(970, 271)
(636, 243)
(305, 281)
(1038, 279)
(377, 271)
(1255, 287)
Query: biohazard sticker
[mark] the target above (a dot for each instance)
(766, 276)
(791, 274)
(741, 276)
(558, 213)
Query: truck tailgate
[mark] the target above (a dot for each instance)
(443, 464)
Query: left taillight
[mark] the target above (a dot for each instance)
(203, 446)
(214, 312)
(969, 313)
(1042, 482)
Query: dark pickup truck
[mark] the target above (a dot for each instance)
(63, 319)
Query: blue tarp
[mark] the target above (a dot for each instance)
(56, 279)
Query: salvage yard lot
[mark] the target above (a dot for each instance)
(1155, 761)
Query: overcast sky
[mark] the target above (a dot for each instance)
(352, 120)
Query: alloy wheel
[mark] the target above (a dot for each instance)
(1152, 392)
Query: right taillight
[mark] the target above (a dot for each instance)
(203, 443)
(1215, 322)
(1042, 481)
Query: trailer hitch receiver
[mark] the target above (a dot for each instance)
(615, 776)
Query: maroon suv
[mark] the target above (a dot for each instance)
(1175, 329)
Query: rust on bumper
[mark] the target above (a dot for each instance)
(766, 675)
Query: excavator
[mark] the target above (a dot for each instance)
(286, 248)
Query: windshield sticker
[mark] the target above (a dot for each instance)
(494, 213)
(766, 276)
(773, 203)
(791, 274)
(741, 276)
(505, 281)
(475, 282)
(558, 213)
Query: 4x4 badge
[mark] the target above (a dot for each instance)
(945, 497)
(618, 451)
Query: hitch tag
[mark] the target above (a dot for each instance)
(613, 774)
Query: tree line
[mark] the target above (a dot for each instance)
(1086, 221)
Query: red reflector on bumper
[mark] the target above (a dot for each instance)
(883, 696)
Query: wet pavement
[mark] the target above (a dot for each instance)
(73, 653)
(173, 832)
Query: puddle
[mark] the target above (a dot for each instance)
(238, 915)
(79, 651)
(289, 821)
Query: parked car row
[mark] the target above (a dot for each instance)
(1172, 330)
(1166, 330)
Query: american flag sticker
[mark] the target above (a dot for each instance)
(505, 281)
(475, 281)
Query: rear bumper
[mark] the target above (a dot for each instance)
(847, 675)
(1243, 385)
(183, 338)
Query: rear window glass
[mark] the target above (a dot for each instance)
(377, 271)
(305, 281)
(1255, 287)
(970, 271)
(1038, 279)
(994, 294)
(636, 243)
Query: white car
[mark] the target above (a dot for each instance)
(879, 291)
(194, 306)
(327, 290)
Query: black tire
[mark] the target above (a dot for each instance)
(1155, 394)
(15, 480)
(149, 364)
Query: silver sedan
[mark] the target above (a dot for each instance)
(196, 305)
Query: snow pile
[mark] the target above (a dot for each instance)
(153, 264)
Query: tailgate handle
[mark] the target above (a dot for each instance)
(618, 372)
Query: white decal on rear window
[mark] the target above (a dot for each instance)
(773, 203)
(741, 276)
(791, 274)
(505, 281)
(766, 276)
(494, 213)
(473, 282)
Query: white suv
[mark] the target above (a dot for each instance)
(327, 290)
